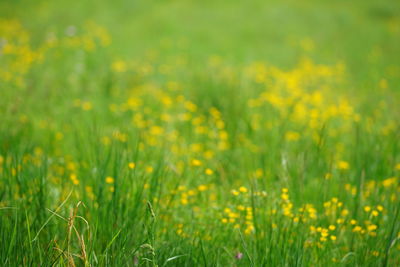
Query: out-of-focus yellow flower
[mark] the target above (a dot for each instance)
(149, 169)
(292, 136)
(118, 66)
(86, 105)
(202, 187)
(74, 179)
(109, 180)
(156, 130)
(243, 189)
(343, 165)
(397, 166)
(235, 192)
(184, 201)
(209, 171)
(389, 181)
(196, 162)
(249, 229)
(131, 165)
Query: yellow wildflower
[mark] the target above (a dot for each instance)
(343, 165)
(109, 180)
(131, 165)
(243, 189)
(292, 136)
(209, 171)
(196, 162)
(202, 187)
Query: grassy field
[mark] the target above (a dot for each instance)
(200, 133)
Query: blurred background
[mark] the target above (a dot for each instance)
(365, 35)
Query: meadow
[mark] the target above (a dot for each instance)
(199, 133)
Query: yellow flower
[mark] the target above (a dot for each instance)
(227, 210)
(109, 180)
(324, 233)
(241, 207)
(243, 189)
(118, 66)
(233, 215)
(258, 173)
(389, 181)
(196, 162)
(86, 105)
(292, 136)
(343, 165)
(209, 171)
(397, 167)
(344, 212)
(184, 201)
(131, 165)
(156, 130)
(74, 179)
(249, 229)
(202, 187)
(235, 192)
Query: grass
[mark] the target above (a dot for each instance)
(211, 133)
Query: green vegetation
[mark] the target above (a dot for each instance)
(199, 133)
